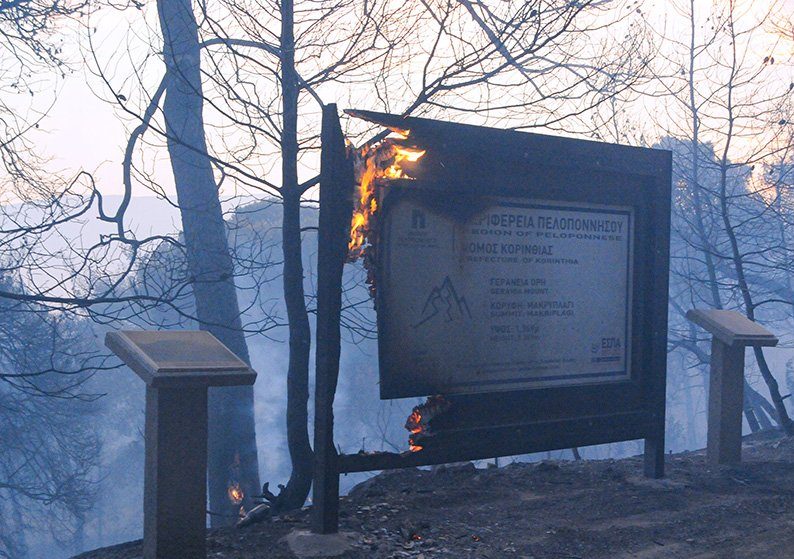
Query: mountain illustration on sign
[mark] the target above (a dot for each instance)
(444, 300)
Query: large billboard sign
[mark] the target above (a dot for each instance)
(528, 269)
(520, 281)
(521, 294)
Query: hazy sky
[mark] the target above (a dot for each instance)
(85, 131)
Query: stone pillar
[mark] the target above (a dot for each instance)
(178, 368)
(726, 402)
(175, 474)
(731, 333)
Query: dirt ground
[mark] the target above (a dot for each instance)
(553, 510)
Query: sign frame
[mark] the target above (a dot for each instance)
(481, 161)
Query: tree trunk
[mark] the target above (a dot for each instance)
(232, 437)
(762, 408)
(294, 494)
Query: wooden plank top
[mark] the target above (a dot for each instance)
(170, 358)
(732, 328)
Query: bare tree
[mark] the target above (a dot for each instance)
(50, 445)
(728, 220)
(29, 45)
(232, 437)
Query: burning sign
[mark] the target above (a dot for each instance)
(418, 423)
(372, 165)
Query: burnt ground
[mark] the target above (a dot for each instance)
(553, 510)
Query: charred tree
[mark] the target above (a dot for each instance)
(297, 489)
(231, 419)
(737, 258)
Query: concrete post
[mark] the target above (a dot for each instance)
(178, 368)
(731, 333)
(726, 402)
(175, 473)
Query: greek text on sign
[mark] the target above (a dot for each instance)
(521, 294)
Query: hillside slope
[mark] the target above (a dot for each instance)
(554, 510)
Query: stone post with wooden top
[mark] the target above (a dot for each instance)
(178, 367)
(731, 334)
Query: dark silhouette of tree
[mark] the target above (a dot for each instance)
(50, 447)
(232, 437)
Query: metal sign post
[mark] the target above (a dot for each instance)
(336, 206)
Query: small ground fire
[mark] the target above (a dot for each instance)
(233, 490)
(236, 494)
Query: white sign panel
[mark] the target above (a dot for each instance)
(521, 294)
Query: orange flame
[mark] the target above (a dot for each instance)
(400, 133)
(414, 420)
(414, 426)
(381, 161)
(236, 494)
(408, 154)
(419, 420)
